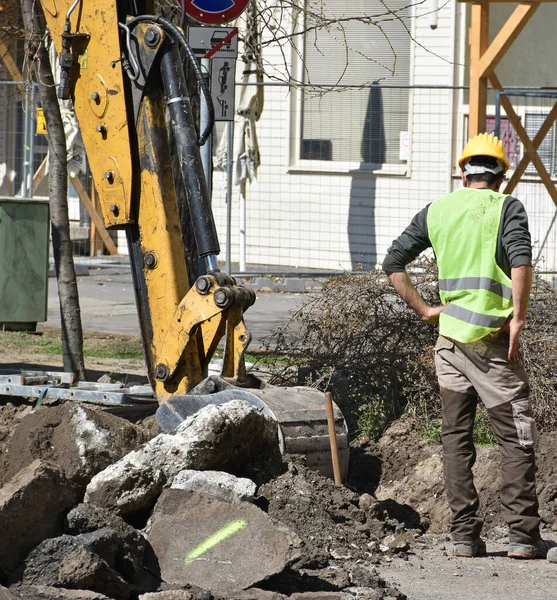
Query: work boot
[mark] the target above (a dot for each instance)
(530, 551)
(469, 548)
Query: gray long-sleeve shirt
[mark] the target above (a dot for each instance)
(514, 245)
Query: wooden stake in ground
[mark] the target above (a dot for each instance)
(333, 437)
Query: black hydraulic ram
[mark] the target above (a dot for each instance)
(191, 166)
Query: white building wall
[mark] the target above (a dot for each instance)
(328, 215)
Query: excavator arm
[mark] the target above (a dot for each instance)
(125, 76)
(122, 67)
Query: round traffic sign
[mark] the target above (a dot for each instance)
(214, 12)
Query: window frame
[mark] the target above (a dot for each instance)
(299, 165)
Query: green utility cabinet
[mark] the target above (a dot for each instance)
(24, 244)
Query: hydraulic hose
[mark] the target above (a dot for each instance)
(179, 108)
(177, 35)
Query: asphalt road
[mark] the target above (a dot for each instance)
(108, 305)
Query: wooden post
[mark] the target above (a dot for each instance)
(526, 159)
(93, 235)
(11, 65)
(95, 217)
(333, 437)
(506, 36)
(479, 33)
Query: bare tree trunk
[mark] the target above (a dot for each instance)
(72, 334)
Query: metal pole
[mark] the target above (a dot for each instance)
(498, 113)
(25, 106)
(229, 183)
(207, 148)
(32, 141)
(243, 227)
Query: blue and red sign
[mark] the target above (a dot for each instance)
(215, 12)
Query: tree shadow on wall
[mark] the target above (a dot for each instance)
(361, 216)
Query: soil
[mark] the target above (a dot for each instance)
(388, 520)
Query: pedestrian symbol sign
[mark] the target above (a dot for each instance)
(222, 88)
(214, 12)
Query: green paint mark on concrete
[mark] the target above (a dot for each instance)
(216, 538)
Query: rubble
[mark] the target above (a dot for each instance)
(45, 592)
(32, 508)
(215, 484)
(228, 546)
(6, 594)
(80, 440)
(228, 437)
(169, 595)
(207, 495)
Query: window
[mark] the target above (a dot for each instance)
(361, 125)
(548, 148)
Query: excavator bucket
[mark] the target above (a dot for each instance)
(299, 411)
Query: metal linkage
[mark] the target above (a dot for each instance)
(49, 385)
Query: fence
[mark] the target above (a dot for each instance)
(342, 172)
(23, 164)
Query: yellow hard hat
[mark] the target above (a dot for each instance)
(484, 144)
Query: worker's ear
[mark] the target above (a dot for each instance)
(499, 183)
(464, 180)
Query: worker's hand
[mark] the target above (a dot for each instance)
(514, 327)
(432, 313)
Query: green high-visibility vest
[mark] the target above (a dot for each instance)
(463, 229)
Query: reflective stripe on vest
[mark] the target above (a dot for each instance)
(474, 318)
(476, 283)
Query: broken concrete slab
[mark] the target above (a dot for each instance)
(85, 569)
(226, 437)
(258, 594)
(109, 560)
(219, 546)
(81, 440)
(75, 562)
(43, 592)
(168, 595)
(32, 508)
(127, 549)
(5, 594)
(215, 484)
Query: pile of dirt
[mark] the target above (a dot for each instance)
(408, 478)
(341, 535)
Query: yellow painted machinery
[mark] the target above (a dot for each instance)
(123, 69)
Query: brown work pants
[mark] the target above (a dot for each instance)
(514, 429)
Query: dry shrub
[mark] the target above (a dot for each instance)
(356, 338)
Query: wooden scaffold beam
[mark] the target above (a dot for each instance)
(484, 57)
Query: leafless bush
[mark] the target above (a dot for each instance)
(356, 338)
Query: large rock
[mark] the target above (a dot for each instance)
(129, 549)
(216, 545)
(32, 508)
(168, 595)
(46, 592)
(226, 438)
(215, 484)
(104, 555)
(76, 563)
(80, 440)
(6, 594)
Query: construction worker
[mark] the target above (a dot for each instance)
(483, 249)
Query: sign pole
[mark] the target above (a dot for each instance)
(229, 169)
(207, 148)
